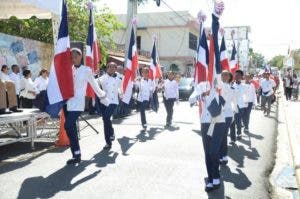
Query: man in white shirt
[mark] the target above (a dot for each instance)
(8, 91)
(16, 78)
(171, 94)
(111, 84)
(82, 75)
(267, 86)
(251, 100)
(146, 88)
(240, 94)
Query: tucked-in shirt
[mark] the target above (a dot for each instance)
(267, 87)
(240, 94)
(205, 116)
(82, 76)
(228, 93)
(171, 89)
(4, 77)
(146, 88)
(111, 86)
(41, 83)
(16, 78)
(27, 85)
(251, 94)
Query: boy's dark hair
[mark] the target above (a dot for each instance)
(13, 66)
(239, 72)
(4, 67)
(43, 71)
(26, 72)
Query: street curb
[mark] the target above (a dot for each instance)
(284, 154)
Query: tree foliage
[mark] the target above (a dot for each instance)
(277, 61)
(257, 59)
(41, 29)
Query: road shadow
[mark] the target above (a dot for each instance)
(47, 187)
(239, 179)
(255, 136)
(147, 135)
(126, 143)
(24, 154)
(238, 154)
(198, 132)
(61, 180)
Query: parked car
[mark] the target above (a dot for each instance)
(185, 88)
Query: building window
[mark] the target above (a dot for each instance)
(192, 41)
(138, 42)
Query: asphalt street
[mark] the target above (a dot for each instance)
(161, 163)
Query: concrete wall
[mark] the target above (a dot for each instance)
(25, 52)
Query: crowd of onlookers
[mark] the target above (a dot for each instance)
(18, 90)
(291, 85)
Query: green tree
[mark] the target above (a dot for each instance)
(257, 59)
(41, 29)
(277, 61)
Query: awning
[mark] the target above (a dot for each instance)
(25, 9)
(122, 59)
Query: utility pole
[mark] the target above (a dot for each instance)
(131, 12)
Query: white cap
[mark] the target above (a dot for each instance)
(77, 50)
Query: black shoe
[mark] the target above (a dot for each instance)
(107, 147)
(74, 161)
(209, 189)
(113, 137)
(223, 162)
(239, 137)
(144, 127)
(15, 110)
(216, 186)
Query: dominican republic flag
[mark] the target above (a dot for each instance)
(201, 66)
(155, 71)
(130, 70)
(214, 68)
(224, 59)
(234, 66)
(61, 86)
(93, 54)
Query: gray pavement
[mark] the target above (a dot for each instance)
(158, 164)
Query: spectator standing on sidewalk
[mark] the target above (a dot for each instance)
(295, 87)
(267, 85)
(288, 85)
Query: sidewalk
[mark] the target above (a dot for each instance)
(286, 171)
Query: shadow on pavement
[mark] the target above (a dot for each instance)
(239, 179)
(61, 180)
(152, 132)
(126, 143)
(46, 187)
(238, 154)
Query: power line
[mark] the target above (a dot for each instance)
(174, 11)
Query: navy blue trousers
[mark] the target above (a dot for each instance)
(107, 112)
(144, 106)
(224, 146)
(236, 126)
(212, 145)
(169, 104)
(71, 128)
(248, 113)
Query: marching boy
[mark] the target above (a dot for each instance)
(110, 82)
(75, 105)
(171, 94)
(146, 88)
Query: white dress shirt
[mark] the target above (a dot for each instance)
(228, 93)
(146, 88)
(41, 83)
(16, 78)
(171, 89)
(111, 86)
(240, 94)
(81, 77)
(267, 86)
(251, 94)
(205, 116)
(27, 85)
